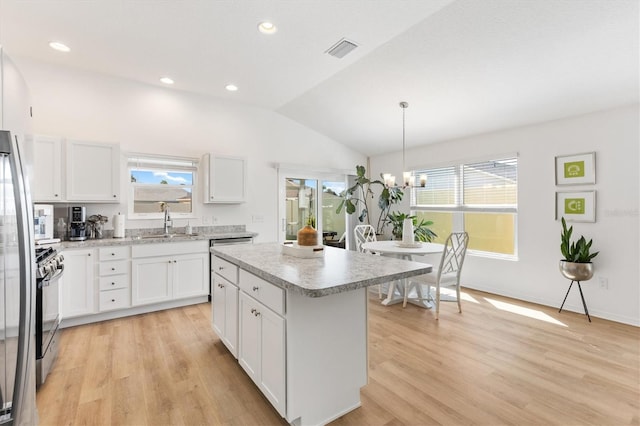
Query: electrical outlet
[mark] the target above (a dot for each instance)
(205, 220)
(214, 219)
(604, 283)
(257, 218)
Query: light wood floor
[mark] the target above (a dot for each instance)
(486, 366)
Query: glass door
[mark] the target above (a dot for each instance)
(310, 198)
(301, 205)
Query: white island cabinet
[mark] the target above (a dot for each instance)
(224, 304)
(302, 335)
(262, 337)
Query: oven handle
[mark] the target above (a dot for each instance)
(48, 279)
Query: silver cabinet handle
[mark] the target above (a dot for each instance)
(256, 313)
(220, 268)
(253, 311)
(256, 288)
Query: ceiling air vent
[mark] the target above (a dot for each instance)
(341, 48)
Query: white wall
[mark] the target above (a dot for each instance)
(148, 119)
(614, 136)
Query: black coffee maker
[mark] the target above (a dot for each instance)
(77, 223)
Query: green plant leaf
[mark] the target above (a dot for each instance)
(351, 208)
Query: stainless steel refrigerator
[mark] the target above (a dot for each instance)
(17, 266)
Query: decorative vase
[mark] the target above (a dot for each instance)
(576, 271)
(307, 236)
(407, 231)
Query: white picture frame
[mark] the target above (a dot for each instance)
(576, 206)
(576, 169)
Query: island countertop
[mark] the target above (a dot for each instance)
(337, 271)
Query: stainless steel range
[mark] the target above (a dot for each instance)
(49, 269)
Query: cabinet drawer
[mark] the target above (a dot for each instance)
(263, 291)
(114, 299)
(113, 253)
(114, 268)
(114, 282)
(225, 269)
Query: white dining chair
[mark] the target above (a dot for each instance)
(448, 273)
(365, 234)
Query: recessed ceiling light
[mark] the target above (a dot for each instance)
(61, 47)
(267, 28)
(166, 80)
(231, 87)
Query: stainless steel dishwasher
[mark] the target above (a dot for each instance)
(227, 241)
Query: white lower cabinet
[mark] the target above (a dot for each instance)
(224, 316)
(151, 280)
(307, 355)
(159, 276)
(77, 284)
(114, 278)
(190, 275)
(262, 349)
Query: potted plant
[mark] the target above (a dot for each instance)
(361, 193)
(421, 229)
(576, 265)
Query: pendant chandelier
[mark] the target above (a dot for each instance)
(389, 179)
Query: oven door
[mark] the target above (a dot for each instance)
(47, 311)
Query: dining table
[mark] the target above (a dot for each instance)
(407, 251)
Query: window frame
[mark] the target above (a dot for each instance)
(460, 208)
(168, 164)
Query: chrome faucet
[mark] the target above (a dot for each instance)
(168, 223)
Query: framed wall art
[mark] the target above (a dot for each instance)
(576, 206)
(576, 169)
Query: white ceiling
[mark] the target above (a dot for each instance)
(465, 66)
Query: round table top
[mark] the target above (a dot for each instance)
(397, 248)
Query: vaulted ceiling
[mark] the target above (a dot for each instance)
(465, 66)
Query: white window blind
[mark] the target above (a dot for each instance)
(490, 183)
(440, 190)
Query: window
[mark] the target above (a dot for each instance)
(155, 181)
(480, 198)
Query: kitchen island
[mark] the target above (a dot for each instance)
(298, 326)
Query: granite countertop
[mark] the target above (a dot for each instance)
(152, 236)
(337, 271)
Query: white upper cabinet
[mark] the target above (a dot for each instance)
(224, 179)
(47, 169)
(74, 170)
(93, 171)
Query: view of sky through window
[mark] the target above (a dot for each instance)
(162, 177)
